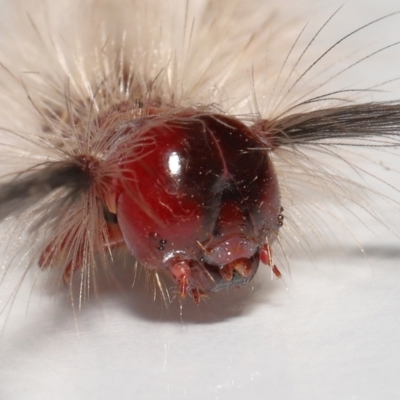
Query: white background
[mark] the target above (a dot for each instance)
(330, 330)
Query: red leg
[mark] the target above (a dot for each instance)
(182, 274)
(266, 258)
(54, 252)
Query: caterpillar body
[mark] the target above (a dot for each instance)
(196, 142)
(140, 139)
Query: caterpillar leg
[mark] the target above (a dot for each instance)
(55, 252)
(266, 258)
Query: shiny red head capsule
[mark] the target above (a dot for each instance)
(201, 202)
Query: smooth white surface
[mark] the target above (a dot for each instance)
(329, 331)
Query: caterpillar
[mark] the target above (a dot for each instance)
(140, 140)
(202, 147)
